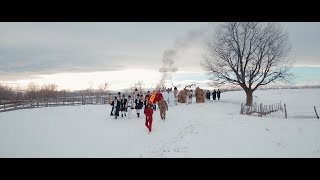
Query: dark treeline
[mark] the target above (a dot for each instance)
(45, 92)
(50, 91)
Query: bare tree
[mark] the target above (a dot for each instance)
(48, 91)
(6, 93)
(89, 91)
(248, 54)
(103, 88)
(32, 91)
(139, 84)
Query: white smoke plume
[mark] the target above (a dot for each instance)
(169, 55)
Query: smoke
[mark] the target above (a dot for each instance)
(169, 55)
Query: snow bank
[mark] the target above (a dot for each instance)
(212, 129)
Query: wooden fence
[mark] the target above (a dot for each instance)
(267, 109)
(69, 101)
(260, 109)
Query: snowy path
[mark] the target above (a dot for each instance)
(176, 146)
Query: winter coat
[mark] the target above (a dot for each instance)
(139, 104)
(214, 94)
(218, 94)
(158, 96)
(117, 106)
(163, 105)
(112, 109)
(124, 104)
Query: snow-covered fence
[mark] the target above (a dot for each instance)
(69, 101)
(260, 109)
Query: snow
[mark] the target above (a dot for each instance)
(212, 129)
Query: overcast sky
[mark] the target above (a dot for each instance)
(31, 49)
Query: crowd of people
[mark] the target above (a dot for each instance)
(124, 106)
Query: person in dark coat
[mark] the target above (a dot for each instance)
(112, 109)
(124, 105)
(214, 94)
(209, 94)
(218, 94)
(139, 105)
(117, 107)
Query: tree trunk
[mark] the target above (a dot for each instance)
(249, 98)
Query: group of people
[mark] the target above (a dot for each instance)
(122, 105)
(215, 94)
(163, 98)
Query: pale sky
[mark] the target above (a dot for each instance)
(73, 54)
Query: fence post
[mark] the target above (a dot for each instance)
(270, 109)
(315, 110)
(285, 111)
(241, 110)
(255, 107)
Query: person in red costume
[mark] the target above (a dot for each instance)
(149, 112)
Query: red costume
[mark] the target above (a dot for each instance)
(158, 97)
(148, 112)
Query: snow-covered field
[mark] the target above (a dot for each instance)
(212, 129)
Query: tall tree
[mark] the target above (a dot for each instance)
(248, 54)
